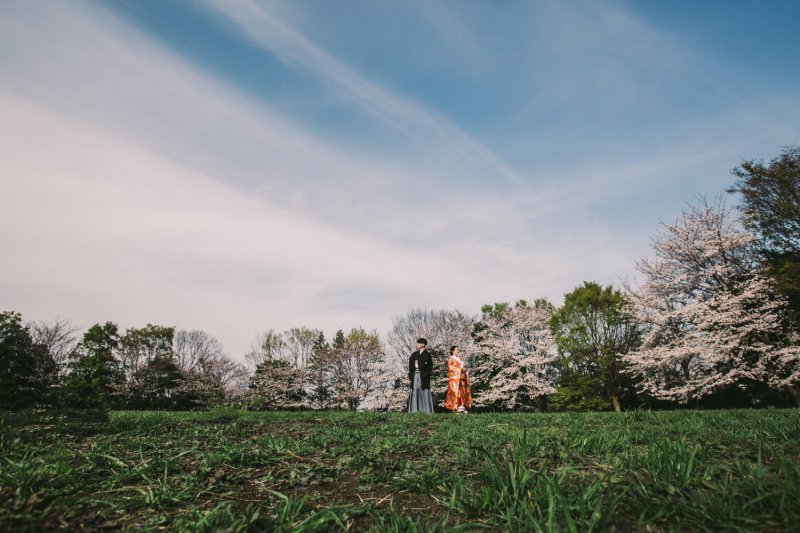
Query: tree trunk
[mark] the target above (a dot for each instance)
(685, 368)
(795, 392)
(617, 406)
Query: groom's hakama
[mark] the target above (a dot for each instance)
(419, 400)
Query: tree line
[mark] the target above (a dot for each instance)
(710, 320)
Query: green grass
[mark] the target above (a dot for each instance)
(229, 470)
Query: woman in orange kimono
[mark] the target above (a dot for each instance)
(459, 397)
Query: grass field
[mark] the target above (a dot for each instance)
(229, 470)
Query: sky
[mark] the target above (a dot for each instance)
(243, 165)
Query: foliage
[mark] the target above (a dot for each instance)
(148, 365)
(26, 369)
(291, 370)
(353, 366)
(593, 331)
(213, 381)
(771, 199)
(300, 345)
(295, 346)
(710, 312)
(498, 309)
(94, 372)
(771, 208)
(338, 339)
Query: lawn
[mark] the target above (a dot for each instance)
(229, 470)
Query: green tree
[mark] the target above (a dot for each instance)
(592, 330)
(267, 346)
(148, 362)
(321, 392)
(497, 310)
(354, 365)
(94, 371)
(338, 340)
(26, 369)
(320, 344)
(771, 207)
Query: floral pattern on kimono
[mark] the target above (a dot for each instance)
(458, 391)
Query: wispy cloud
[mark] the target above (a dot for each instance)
(395, 110)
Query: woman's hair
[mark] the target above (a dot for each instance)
(453, 349)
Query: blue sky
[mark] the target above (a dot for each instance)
(244, 165)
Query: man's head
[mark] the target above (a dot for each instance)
(421, 344)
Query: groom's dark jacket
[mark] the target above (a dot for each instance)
(425, 367)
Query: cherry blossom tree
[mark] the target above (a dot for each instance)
(212, 380)
(710, 312)
(207, 374)
(512, 351)
(283, 364)
(278, 385)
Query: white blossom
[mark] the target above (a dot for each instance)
(512, 354)
(709, 310)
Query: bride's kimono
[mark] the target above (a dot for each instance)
(458, 392)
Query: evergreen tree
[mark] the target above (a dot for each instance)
(94, 371)
(338, 340)
(165, 378)
(26, 369)
(320, 392)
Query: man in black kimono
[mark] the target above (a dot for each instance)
(420, 365)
